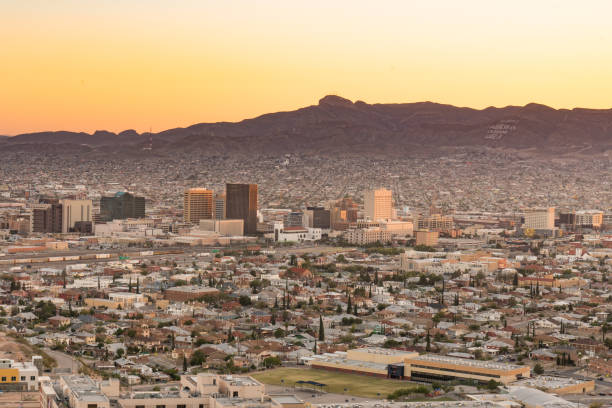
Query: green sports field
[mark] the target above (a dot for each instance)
(356, 385)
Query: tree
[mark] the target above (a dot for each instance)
(197, 358)
(492, 385)
(515, 280)
(314, 350)
(538, 369)
(273, 319)
(245, 300)
(137, 285)
(348, 305)
(271, 361)
(184, 363)
(428, 342)
(279, 333)
(517, 343)
(321, 329)
(310, 301)
(338, 309)
(230, 336)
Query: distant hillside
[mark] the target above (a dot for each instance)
(337, 125)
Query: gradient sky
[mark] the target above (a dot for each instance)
(109, 64)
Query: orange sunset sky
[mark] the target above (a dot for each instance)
(85, 65)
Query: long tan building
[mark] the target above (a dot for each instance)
(428, 238)
(437, 368)
(366, 236)
(371, 361)
(197, 205)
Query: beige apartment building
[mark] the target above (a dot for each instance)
(397, 228)
(367, 236)
(589, 218)
(428, 238)
(231, 386)
(378, 204)
(197, 205)
(435, 222)
(540, 218)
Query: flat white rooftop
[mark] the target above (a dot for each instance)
(465, 362)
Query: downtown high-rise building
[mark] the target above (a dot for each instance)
(219, 207)
(47, 216)
(241, 203)
(75, 214)
(197, 205)
(539, 218)
(121, 206)
(378, 204)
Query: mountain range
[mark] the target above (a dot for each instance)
(337, 125)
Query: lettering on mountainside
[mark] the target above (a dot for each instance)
(501, 129)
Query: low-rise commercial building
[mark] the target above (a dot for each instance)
(437, 368)
(366, 361)
(183, 293)
(19, 376)
(559, 385)
(82, 392)
(224, 226)
(427, 238)
(367, 236)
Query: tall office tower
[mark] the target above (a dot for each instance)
(47, 216)
(241, 203)
(293, 219)
(378, 204)
(540, 218)
(74, 211)
(318, 217)
(120, 206)
(197, 205)
(219, 206)
(342, 213)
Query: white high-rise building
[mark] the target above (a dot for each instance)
(378, 204)
(74, 211)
